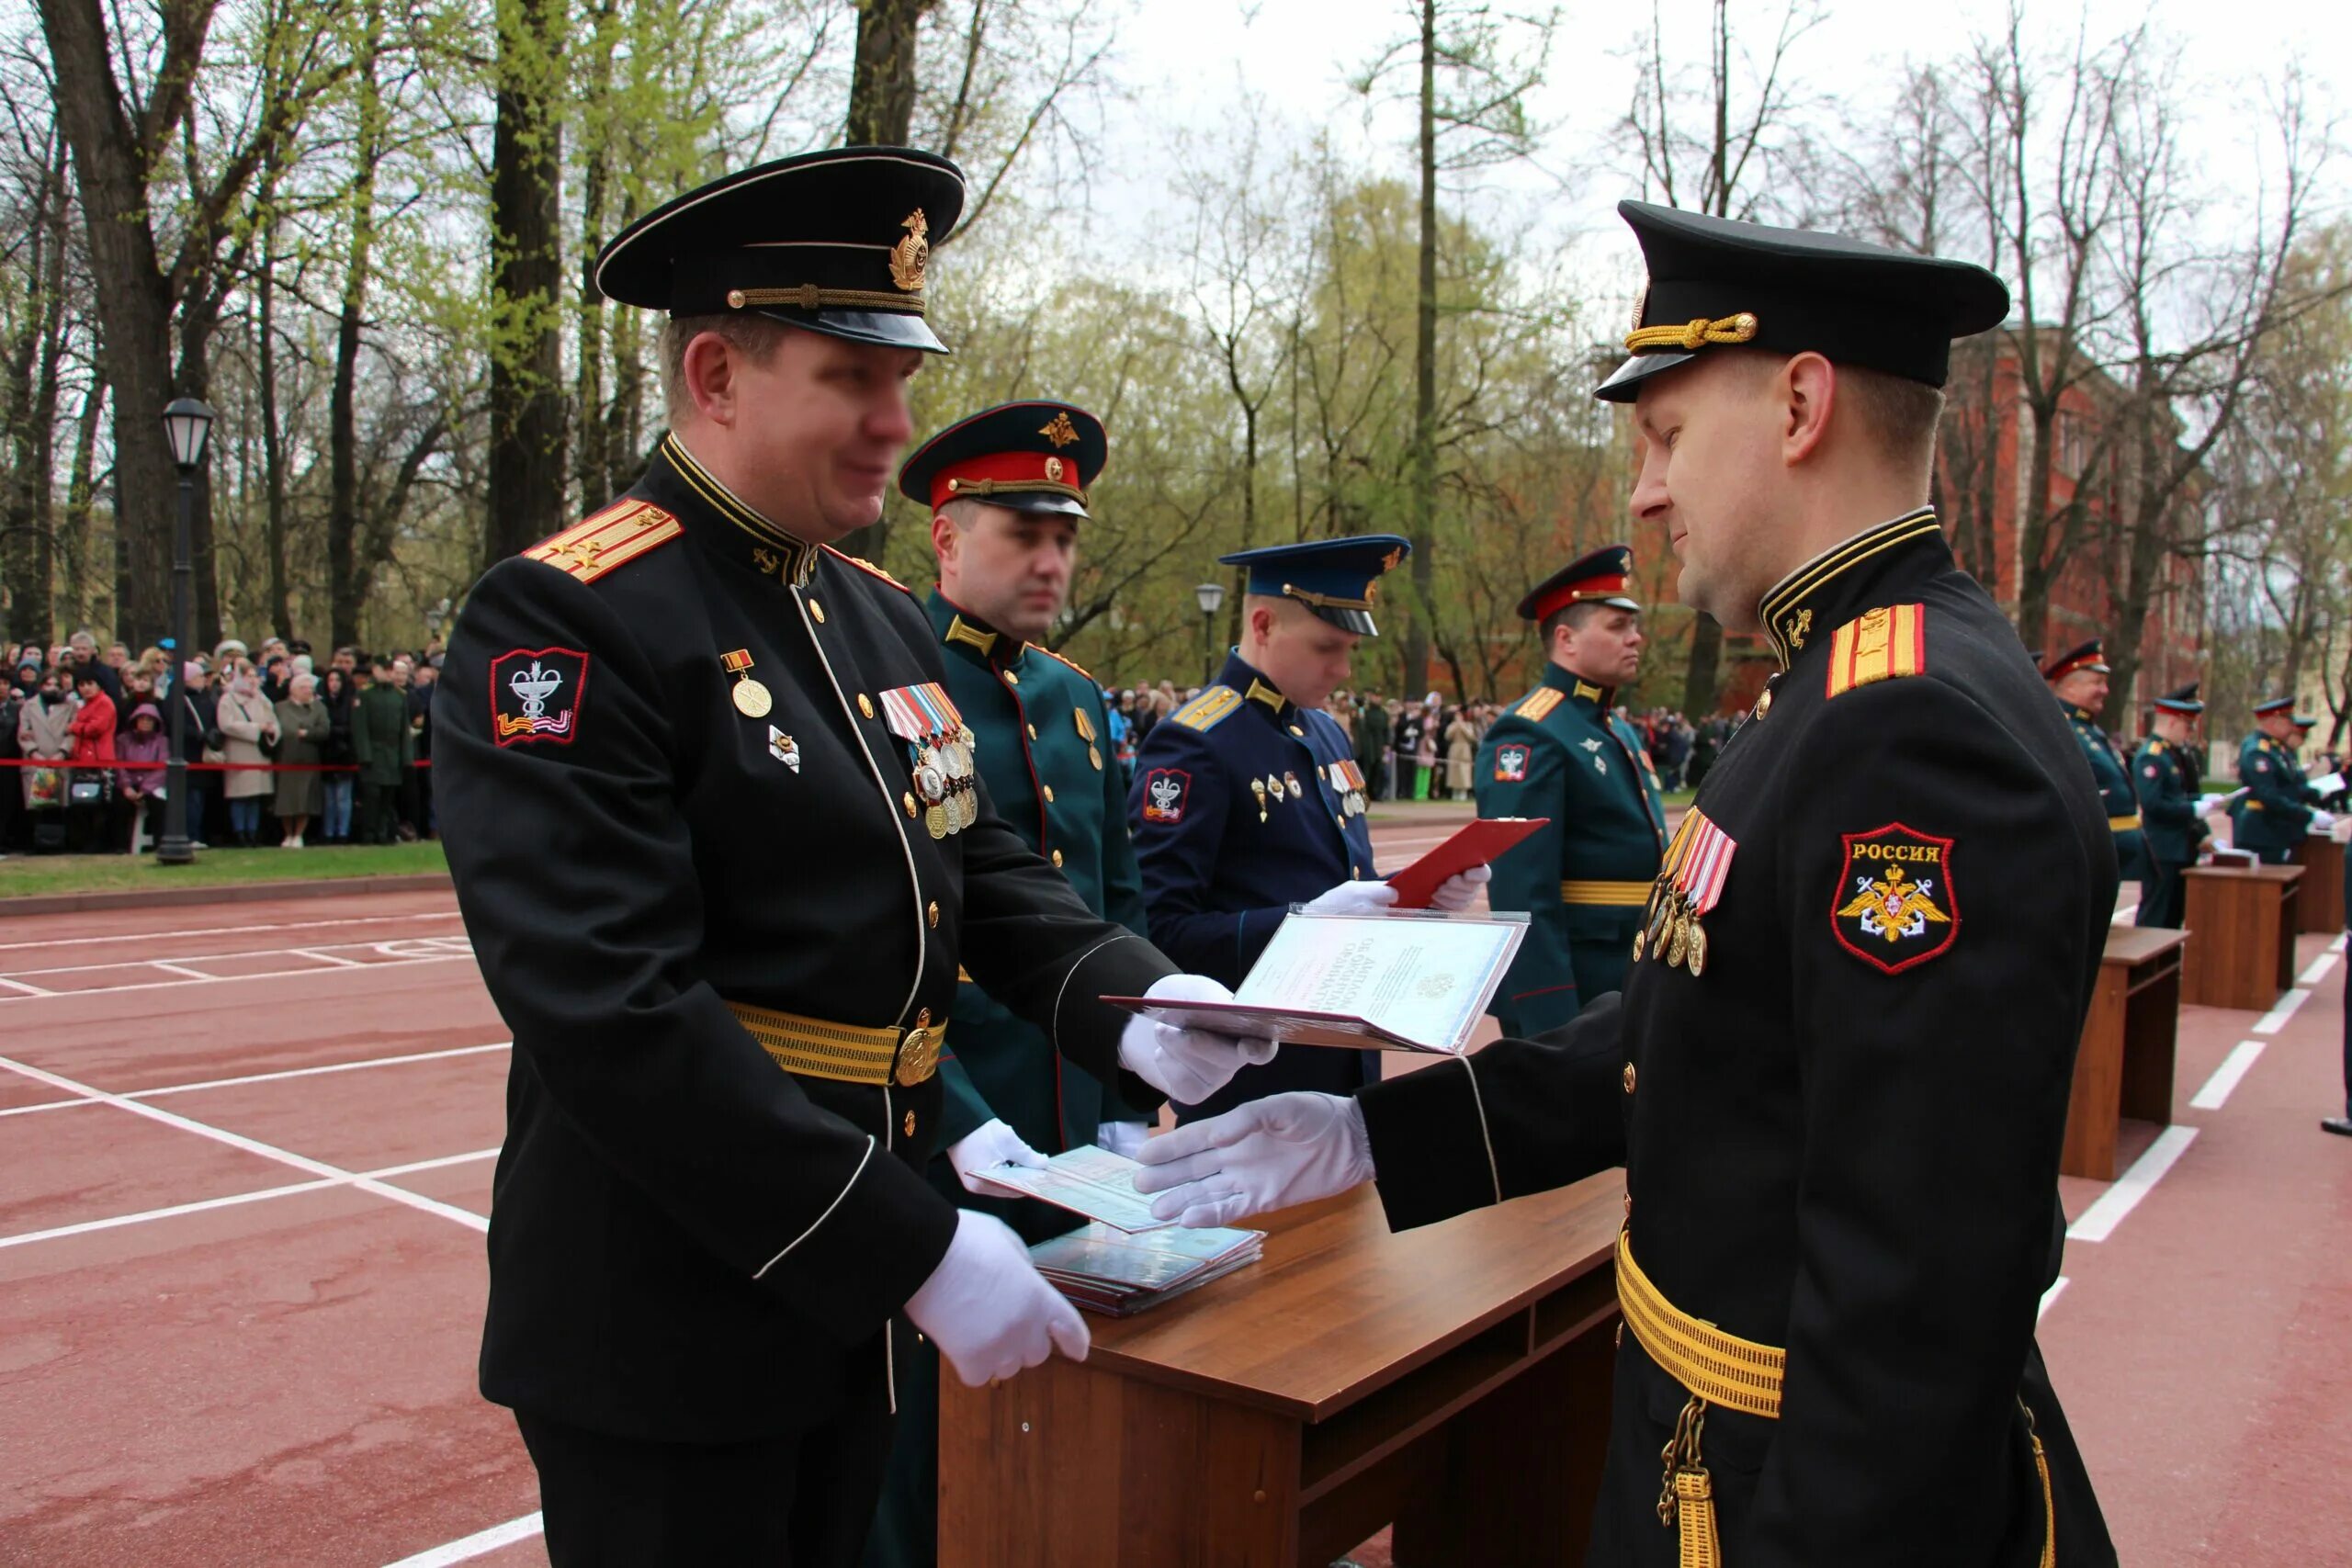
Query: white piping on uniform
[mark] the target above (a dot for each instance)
(1071, 973)
(828, 1214)
(915, 876)
(1479, 1101)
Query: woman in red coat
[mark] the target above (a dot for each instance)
(90, 778)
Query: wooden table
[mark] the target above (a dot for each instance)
(2323, 891)
(2125, 1065)
(2245, 918)
(1453, 1380)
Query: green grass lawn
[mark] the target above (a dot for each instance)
(24, 876)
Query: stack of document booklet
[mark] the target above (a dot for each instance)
(1119, 1273)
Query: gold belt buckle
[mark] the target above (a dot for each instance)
(918, 1056)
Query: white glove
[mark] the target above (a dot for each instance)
(1122, 1137)
(988, 1310)
(1187, 1065)
(1353, 899)
(1269, 1153)
(2321, 820)
(990, 1144)
(1459, 891)
(2208, 803)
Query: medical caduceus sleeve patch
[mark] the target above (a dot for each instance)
(1895, 907)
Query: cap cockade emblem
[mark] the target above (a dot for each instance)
(909, 256)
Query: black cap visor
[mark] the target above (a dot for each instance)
(1347, 620)
(1625, 382)
(885, 328)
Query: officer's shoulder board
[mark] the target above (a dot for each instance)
(1209, 709)
(1537, 703)
(609, 540)
(1885, 644)
(1060, 659)
(868, 568)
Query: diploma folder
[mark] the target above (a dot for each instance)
(1482, 843)
(1381, 982)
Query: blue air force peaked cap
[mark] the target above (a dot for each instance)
(836, 241)
(1031, 457)
(1336, 578)
(1714, 283)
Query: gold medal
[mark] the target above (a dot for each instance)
(967, 809)
(751, 699)
(1678, 940)
(1695, 960)
(1258, 788)
(1095, 757)
(1641, 939)
(935, 821)
(1661, 912)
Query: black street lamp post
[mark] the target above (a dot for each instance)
(188, 424)
(1211, 597)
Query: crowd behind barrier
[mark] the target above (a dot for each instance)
(281, 747)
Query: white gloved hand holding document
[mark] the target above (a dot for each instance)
(1269, 1153)
(1187, 1065)
(989, 1145)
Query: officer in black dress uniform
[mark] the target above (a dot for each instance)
(721, 849)
(1841, 1062)
(1251, 798)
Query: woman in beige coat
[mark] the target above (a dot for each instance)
(248, 725)
(1461, 752)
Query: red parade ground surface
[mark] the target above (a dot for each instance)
(246, 1156)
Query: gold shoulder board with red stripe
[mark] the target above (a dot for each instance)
(613, 537)
(1885, 644)
(1062, 658)
(1537, 703)
(869, 569)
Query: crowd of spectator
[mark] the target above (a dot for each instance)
(290, 749)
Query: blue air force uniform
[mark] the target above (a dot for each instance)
(1245, 804)
(1560, 752)
(2275, 816)
(2165, 780)
(2107, 764)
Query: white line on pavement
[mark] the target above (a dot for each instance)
(222, 931)
(255, 1146)
(478, 1544)
(45, 1105)
(183, 972)
(20, 986)
(2274, 1020)
(2318, 971)
(2050, 1298)
(314, 1072)
(229, 980)
(2216, 1092)
(2098, 1221)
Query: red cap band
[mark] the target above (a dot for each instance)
(1609, 586)
(1004, 471)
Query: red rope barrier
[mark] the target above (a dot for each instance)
(118, 765)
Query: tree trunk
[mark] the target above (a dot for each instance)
(347, 576)
(882, 79)
(133, 298)
(592, 461)
(73, 530)
(625, 436)
(1702, 672)
(2035, 572)
(1422, 501)
(27, 543)
(273, 447)
(526, 421)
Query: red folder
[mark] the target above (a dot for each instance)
(1481, 843)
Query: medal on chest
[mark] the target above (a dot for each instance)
(939, 755)
(1348, 784)
(751, 699)
(1690, 884)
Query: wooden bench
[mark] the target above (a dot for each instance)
(2321, 895)
(2125, 1065)
(2246, 919)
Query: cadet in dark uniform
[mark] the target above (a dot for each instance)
(1250, 799)
(1560, 752)
(2279, 808)
(2173, 827)
(720, 848)
(1007, 492)
(2078, 680)
(1841, 1062)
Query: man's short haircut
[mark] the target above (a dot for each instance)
(1572, 616)
(963, 510)
(748, 332)
(1899, 415)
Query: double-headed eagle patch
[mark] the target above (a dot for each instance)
(1895, 907)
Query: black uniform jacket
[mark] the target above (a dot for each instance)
(686, 1241)
(1842, 1136)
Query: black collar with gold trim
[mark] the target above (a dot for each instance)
(1867, 571)
(750, 538)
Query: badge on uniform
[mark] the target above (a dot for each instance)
(535, 694)
(750, 698)
(1895, 907)
(1690, 884)
(1348, 780)
(784, 747)
(1510, 764)
(1164, 790)
(939, 755)
(1086, 733)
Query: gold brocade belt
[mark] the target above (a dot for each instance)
(1626, 895)
(2124, 824)
(1716, 1368)
(848, 1052)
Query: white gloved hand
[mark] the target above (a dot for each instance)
(2321, 820)
(1269, 1153)
(1353, 899)
(1459, 891)
(2208, 803)
(988, 1310)
(1122, 1137)
(989, 1145)
(1187, 1065)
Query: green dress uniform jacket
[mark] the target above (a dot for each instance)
(2115, 789)
(693, 1241)
(1044, 753)
(1840, 1121)
(1560, 752)
(2170, 826)
(380, 733)
(2276, 812)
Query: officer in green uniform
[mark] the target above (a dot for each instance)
(1007, 492)
(2078, 680)
(2172, 825)
(2190, 756)
(1560, 752)
(2278, 809)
